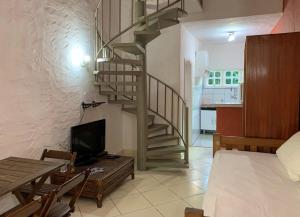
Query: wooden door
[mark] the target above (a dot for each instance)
(272, 81)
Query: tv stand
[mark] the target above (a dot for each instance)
(101, 184)
(104, 153)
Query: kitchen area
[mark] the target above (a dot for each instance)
(218, 92)
(218, 77)
(221, 106)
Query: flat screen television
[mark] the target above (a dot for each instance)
(88, 140)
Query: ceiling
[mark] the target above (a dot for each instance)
(216, 31)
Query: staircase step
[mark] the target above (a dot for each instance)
(164, 19)
(173, 13)
(114, 83)
(133, 48)
(122, 102)
(118, 93)
(120, 73)
(165, 150)
(158, 24)
(165, 23)
(167, 163)
(130, 110)
(162, 138)
(133, 111)
(150, 119)
(157, 127)
(121, 61)
(144, 37)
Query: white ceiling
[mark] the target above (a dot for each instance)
(216, 31)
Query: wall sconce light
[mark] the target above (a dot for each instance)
(79, 58)
(231, 36)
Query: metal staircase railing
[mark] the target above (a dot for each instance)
(166, 103)
(158, 97)
(108, 9)
(103, 78)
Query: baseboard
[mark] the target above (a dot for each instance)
(210, 132)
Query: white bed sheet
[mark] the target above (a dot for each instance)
(247, 184)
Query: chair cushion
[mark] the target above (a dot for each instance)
(289, 156)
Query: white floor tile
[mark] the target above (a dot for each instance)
(203, 140)
(195, 201)
(173, 209)
(150, 212)
(76, 214)
(156, 192)
(152, 188)
(131, 203)
(163, 177)
(201, 183)
(88, 208)
(124, 190)
(145, 183)
(186, 189)
(159, 196)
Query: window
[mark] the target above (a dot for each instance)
(232, 78)
(214, 78)
(224, 78)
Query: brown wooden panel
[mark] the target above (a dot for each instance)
(272, 78)
(246, 144)
(230, 121)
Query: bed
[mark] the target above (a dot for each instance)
(248, 180)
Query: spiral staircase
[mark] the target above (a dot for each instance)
(123, 29)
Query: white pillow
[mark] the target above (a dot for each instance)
(289, 156)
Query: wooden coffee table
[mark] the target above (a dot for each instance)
(101, 184)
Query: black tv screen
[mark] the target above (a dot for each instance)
(88, 140)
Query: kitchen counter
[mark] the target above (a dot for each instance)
(225, 105)
(226, 119)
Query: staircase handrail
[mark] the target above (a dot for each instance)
(140, 21)
(184, 116)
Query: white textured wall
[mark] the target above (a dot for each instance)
(163, 57)
(40, 89)
(189, 46)
(223, 56)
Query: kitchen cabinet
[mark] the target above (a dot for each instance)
(208, 119)
(230, 120)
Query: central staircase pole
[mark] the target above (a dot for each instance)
(141, 101)
(142, 118)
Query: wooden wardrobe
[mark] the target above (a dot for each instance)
(272, 85)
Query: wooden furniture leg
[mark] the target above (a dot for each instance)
(99, 200)
(132, 175)
(19, 197)
(37, 186)
(28, 198)
(191, 212)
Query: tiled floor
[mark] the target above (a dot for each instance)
(202, 140)
(156, 193)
